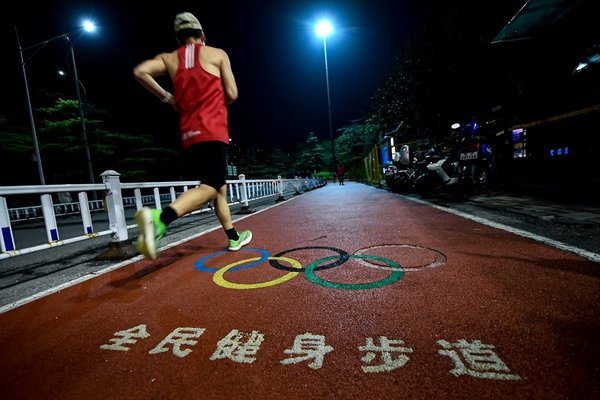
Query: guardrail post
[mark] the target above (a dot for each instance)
(297, 186)
(307, 184)
(237, 191)
(49, 218)
(117, 209)
(86, 217)
(244, 209)
(137, 193)
(120, 246)
(7, 242)
(280, 189)
(157, 201)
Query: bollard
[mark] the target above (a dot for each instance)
(120, 246)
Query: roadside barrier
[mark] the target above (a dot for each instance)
(241, 191)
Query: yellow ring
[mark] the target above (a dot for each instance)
(220, 280)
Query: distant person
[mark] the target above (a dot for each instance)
(204, 85)
(341, 171)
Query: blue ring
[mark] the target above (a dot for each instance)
(200, 263)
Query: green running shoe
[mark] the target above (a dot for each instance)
(150, 230)
(244, 238)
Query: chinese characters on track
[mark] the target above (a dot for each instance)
(378, 354)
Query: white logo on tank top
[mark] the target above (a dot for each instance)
(189, 134)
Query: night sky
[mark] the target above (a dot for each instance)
(277, 59)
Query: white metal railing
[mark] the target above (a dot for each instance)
(241, 191)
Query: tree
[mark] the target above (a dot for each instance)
(448, 74)
(17, 156)
(355, 142)
(60, 142)
(279, 164)
(135, 157)
(310, 156)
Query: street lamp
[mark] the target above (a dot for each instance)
(88, 26)
(324, 28)
(84, 139)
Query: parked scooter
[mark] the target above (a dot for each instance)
(462, 164)
(401, 173)
(438, 169)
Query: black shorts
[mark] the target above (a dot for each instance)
(207, 162)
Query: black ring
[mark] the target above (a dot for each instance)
(344, 256)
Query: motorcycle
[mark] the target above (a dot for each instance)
(401, 173)
(465, 166)
(475, 160)
(438, 168)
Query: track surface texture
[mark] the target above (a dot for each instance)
(345, 292)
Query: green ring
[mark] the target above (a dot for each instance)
(394, 276)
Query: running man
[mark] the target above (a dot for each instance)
(203, 85)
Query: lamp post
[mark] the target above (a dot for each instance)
(84, 138)
(88, 27)
(324, 28)
(36, 147)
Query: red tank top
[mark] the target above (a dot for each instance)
(199, 99)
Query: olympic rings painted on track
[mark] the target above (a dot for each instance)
(434, 259)
(219, 280)
(393, 277)
(344, 256)
(201, 267)
(439, 258)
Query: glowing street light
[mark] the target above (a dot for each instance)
(88, 26)
(324, 28)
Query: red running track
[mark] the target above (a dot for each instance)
(473, 312)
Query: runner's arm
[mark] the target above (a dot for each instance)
(146, 73)
(231, 90)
